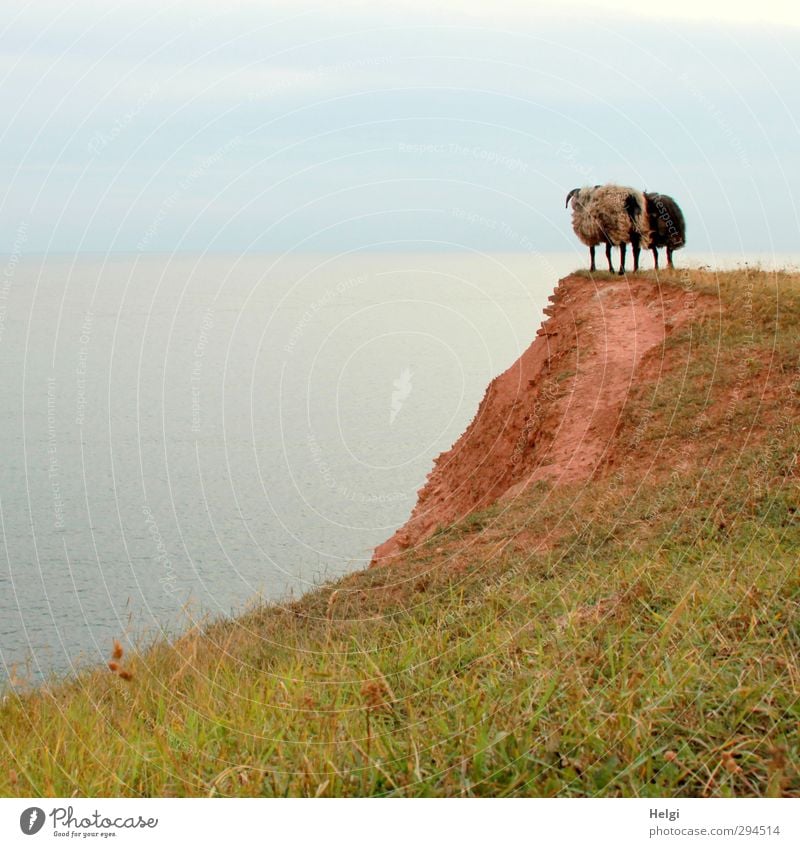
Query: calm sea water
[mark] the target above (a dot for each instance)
(182, 435)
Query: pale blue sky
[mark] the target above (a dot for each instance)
(341, 126)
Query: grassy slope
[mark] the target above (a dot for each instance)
(651, 650)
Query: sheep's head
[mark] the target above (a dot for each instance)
(571, 195)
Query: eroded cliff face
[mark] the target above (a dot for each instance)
(553, 414)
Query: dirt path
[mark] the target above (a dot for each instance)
(553, 414)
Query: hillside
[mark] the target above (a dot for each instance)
(597, 594)
(553, 414)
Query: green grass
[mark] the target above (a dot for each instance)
(652, 650)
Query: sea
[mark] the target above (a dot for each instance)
(184, 436)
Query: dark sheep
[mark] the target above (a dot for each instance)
(666, 224)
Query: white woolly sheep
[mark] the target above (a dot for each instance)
(613, 215)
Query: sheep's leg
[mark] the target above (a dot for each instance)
(669, 258)
(591, 255)
(622, 248)
(608, 256)
(636, 248)
(655, 257)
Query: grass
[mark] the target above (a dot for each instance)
(650, 650)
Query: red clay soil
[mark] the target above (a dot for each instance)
(553, 414)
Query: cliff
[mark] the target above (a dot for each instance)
(554, 413)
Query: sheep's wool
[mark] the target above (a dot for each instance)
(599, 215)
(668, 228)
(584, 223)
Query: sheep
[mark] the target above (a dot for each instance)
(613, 215)
(666, 224)
(585, 225)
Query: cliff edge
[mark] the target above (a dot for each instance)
(554, 413)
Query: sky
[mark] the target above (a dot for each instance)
(456, 125)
